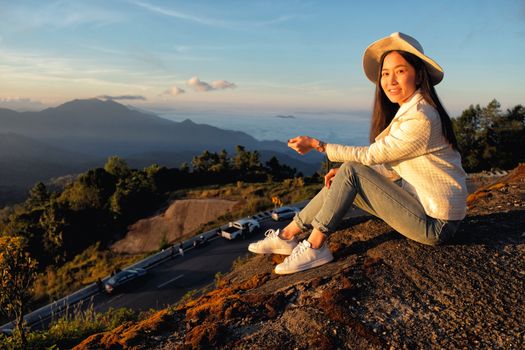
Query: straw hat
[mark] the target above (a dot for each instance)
(401, 42)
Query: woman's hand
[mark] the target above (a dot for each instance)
(302, 144)
(329, 176)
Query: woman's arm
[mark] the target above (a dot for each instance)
(304, 144)
(329, 176)
(409, 137)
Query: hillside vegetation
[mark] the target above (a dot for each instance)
(68, 232)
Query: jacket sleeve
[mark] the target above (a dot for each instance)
(409, 137)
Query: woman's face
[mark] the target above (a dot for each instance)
(398, 78)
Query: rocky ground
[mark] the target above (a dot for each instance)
(382, 291)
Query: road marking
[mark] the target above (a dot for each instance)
(171, 280)
(114, 298)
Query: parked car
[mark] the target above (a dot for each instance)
(123, 277)
(239, 228)
(284, 213)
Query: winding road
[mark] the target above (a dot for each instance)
(170, 280)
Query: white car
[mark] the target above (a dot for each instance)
(239, 228)
(284, 213)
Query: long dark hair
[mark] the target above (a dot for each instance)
(384, 110)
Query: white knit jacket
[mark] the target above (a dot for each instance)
(414, 147)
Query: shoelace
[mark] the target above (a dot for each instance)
(301, 247)
(270, 233)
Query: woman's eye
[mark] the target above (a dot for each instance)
(384, 74)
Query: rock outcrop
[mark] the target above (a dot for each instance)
(382, 291)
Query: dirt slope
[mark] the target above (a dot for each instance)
(382, 291)
(181, 218)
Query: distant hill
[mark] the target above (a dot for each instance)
(107, 128)
(23, 161)
(37, 145)
(16, 146)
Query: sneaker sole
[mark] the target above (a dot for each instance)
(274, 251)
(308, 266)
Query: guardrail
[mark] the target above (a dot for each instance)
(38, 317)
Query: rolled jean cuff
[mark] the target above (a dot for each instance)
(300, 223)
(324, 229)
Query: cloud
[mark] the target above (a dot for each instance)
(179, 14)
(201, 86)
(180, 49)
(175, 91)
(21, 104)
(62, 14)
(231, 24)
(122, 97)
(222, 84)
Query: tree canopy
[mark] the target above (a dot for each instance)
(490, 138)
(100, 204)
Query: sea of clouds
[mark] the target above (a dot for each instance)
(331, 127)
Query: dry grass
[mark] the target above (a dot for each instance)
(83, 270)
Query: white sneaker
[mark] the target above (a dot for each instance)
(304, 257)
(273, 244)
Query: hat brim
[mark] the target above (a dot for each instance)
(373, 53)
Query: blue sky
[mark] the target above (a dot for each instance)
(246, 55)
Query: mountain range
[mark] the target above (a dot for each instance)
(77, 135)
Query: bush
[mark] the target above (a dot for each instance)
(70, 329)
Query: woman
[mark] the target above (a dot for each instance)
(411, 138)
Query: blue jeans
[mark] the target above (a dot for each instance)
(364, 187)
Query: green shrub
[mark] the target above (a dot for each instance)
(70, 329)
